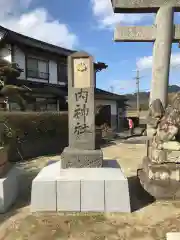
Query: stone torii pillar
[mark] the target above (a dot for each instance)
(162, 33)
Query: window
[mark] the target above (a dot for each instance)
(37, 68)
(63, 74)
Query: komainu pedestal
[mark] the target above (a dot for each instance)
(162, 181)
(160, 170)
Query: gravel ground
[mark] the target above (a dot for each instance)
(148, 221)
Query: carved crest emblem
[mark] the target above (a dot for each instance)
(81, 67)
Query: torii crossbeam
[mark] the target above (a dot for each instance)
(143, 6)
(163, 33)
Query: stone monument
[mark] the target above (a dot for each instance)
(159, 173)
(81, 181)
(82, 150)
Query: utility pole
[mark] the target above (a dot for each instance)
(137, 87)
(137, 92)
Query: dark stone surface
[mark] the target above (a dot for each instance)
(78, 158)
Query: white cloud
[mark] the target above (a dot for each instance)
(146, 62)
(102, 9)
(36, 23)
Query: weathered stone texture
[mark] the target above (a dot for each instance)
(161, 180)
(157, 109)
(83, 140)
(158, 156)
(152, 122)
(172, 146)
(160, 172)
(173, 156)
(142, 6)
(134, 34)
(167, 132)
(78, 158)
(141, 33)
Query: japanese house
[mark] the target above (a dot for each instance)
(45, 71)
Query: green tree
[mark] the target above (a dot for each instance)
(9, 72)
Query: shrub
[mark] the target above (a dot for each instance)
(33, 128)
(31, 125)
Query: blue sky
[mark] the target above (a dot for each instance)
(88, 25)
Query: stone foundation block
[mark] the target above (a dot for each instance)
(113, 193)
(43, 196)
(173, 236)
(8, 189)
(161, 180)
(80, 190)
(68, 195)
(44, 193)
(79, 158)
(92, 195)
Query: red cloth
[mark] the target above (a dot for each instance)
(130, 123)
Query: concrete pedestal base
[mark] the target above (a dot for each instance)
(162, 181)
(8, 189)
(80, 190)
(173, 236)
(80, 158)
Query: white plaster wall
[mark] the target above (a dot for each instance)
(5, 53)
(53, 72)
(112, 103)
(19, 58)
